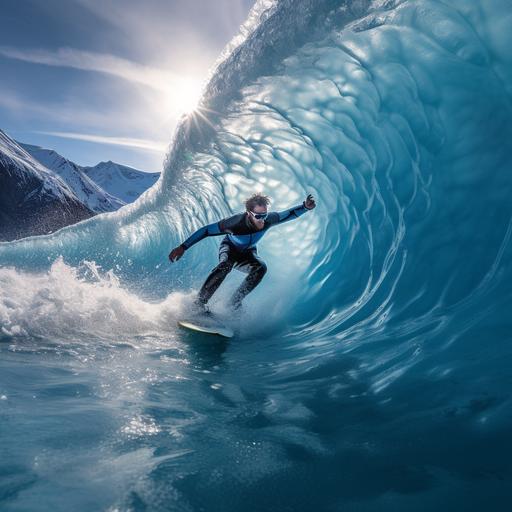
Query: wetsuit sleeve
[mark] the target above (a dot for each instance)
(286, 215)
(209, 230)
(222, 227)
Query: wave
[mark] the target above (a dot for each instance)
(396, 115)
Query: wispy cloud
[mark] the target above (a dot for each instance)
(180, 92)
(187, 25)
(152, 77)
(147, 145)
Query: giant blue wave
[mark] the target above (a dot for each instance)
(373, 371)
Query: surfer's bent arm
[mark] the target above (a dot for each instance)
(209, 230)
(222, 227)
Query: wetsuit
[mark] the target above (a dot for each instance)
(238, 250)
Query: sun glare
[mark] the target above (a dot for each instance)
(184, 95)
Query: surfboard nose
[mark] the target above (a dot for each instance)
(207, 328)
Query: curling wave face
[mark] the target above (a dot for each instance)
(395, 114)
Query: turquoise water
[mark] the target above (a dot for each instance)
(372, 370)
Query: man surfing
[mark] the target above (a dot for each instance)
(238, 248)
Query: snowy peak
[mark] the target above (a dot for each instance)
(16, 161)
(122, 181)
(84, 188)
(105, 187)
(41, 191)
(33, 200)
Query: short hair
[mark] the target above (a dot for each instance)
(257, 200)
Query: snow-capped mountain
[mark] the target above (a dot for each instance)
(105, 187)
(82, 185)
(33, 199)
(121, 181)
(41, 191)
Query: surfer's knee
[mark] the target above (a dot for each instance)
(225, 266)
(260, 268)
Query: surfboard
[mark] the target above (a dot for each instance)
(214, 329)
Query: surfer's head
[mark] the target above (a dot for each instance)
(256, 207)
(257, 200)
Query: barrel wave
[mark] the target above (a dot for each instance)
(372, 371)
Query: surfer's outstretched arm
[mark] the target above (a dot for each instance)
(296, 211)
(209, 230)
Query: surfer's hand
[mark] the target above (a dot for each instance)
(176, 253)
(309, 203)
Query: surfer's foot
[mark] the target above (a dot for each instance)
(201, 309)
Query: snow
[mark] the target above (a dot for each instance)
(18, 160)
(121, 181)
(104, 187)
(84, 187)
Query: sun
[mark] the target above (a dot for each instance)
(184, 95)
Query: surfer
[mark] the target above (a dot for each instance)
(238, 248)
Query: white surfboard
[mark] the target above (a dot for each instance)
(219, 330)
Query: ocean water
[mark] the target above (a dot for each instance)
(372, 368)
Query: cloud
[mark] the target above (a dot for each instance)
(99, 62)
(178, 93)
(196, 29)
(147, 145)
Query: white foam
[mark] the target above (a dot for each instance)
(66, 301)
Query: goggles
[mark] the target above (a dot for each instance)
(259, 216)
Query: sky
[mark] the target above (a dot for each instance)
(100, 80)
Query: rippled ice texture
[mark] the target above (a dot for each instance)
(372, 370)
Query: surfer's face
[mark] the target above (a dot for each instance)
(257, 211)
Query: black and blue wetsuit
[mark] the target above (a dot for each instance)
(238, 250)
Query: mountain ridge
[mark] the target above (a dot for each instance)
(33, 199)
